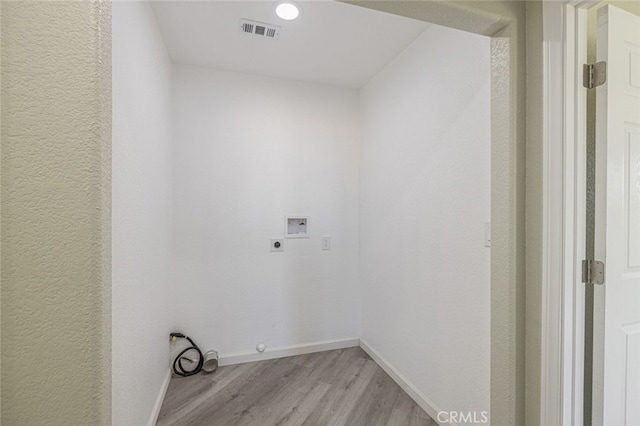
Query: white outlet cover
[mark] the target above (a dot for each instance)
(326, 242)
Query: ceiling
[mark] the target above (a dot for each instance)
(331, 42)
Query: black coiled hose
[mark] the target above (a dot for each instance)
(178, 368)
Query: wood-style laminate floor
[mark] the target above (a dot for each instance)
(341, 387)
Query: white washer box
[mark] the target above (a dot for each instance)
(296, 226)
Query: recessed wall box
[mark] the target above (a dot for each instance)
(296, 227)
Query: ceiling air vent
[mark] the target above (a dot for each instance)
(259, 29)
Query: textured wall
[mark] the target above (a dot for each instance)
(534, 212)
(249, 150)
(0, 215)
(425, 272)
(55, 213)
(142, 228)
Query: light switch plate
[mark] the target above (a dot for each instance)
(487, 234)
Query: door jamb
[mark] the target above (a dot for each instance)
(564, 212)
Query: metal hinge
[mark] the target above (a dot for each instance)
(592, 272)
(594, 75)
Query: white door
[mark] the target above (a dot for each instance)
(616, 389)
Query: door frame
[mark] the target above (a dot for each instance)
(564, 210)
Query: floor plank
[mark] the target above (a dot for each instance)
(340, 387)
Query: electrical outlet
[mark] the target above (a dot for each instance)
(326, 242)
(277, 244)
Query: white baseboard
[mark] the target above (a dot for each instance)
(153, 418)
(307, 348)
(421, 399)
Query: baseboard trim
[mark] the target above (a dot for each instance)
(153, 418)
(307, 348)
(421, 399)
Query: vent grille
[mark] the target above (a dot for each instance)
(247, 28)
(259, 29)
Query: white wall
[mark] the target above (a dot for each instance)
(247, 151)
(425, 194)
(405, 209)
(142, 231)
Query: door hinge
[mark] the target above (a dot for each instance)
(592, 272)
(594, 75)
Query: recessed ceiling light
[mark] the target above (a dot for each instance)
(287, 11)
